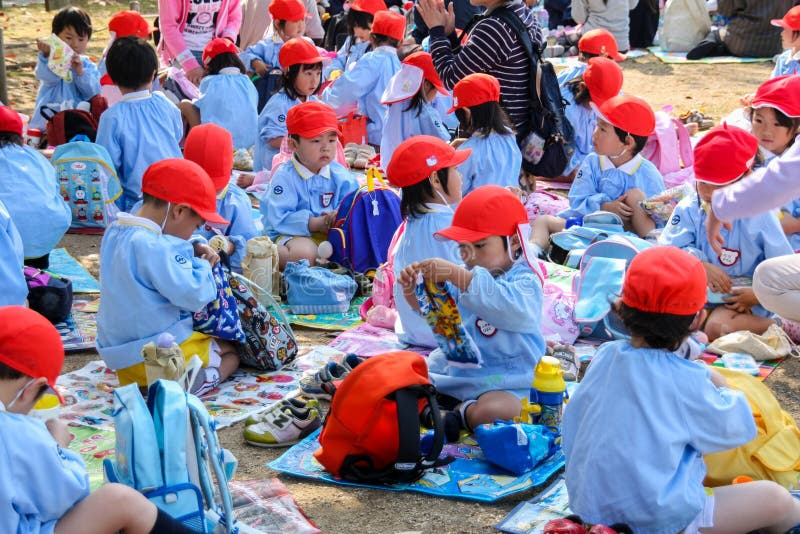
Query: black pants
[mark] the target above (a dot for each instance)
(42, 262)
(643, 23)
(710, 46)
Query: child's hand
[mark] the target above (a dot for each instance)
(619, 207)
(58, 429)
(790, 225)
(195, 75)
(746, 100)
(440, 271)
(245, 180)
(718, 280)
(259, 67)
(408, 277)
(518, 192)
(330, 219)
(742, 300)
(44, 48)
(77, 64)
(205, 252)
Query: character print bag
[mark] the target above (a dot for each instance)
(220, 317)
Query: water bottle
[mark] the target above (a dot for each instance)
(548, 392)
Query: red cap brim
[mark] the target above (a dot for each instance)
(619, 57)
(780, 24)
(459, 157)
(461, 235)
(211, 216)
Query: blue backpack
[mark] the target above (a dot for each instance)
(567, 246)
(365, 223)
(88, 182)
(168, 450)
(602, 272)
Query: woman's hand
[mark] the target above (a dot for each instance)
(434, 14)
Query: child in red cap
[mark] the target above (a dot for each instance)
(227, 96)
(211, 147)
(299, 206)
(775, 116)
(722, 157)
(499, 295)
(594, 43)
(124, 23)
(45, 486)
(364, 84)
(788, 62)
(358, 20)
(635, 430)
(143, 127)
(154, 278)
(410, 110)
(496, 158)
(425, 169)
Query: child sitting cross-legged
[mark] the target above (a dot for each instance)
(154, 279)
(45, 485)
(498, 292)
(299, 206)
(722, 157)
(668, 412)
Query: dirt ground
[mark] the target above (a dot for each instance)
(714, 89)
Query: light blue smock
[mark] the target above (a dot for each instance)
(570, 73)
(599, 181)
(229, 99)
(793, 209)
(295, 195)
(346, 57)
(363, 86)
(137, 131)
(266, 50)
(495, 159)
(442, 104)
(399, 125)
(503, 316)
(749, 242)
(271, 123)
(12, 281)
(233, 205)
(634, 433)
(150, 283)
(29, 189)
(41, 481)
(583, 120)
(786, 63)
(416, 244)
(55, 92)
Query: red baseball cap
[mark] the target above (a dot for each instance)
(628, 113)
(475, 89)
(424, 61)
(129, 23)
(724, 154)
(390, 24)
(600, 42)
(486, 211)
(790, 21)
(311, 119)
(298, 51)
(603, 79)
(218, 46)
(368, 6)
(30, 344)
(781, 93)
(665, 280)
(211, 147)
(181, 181)
(10, 121)
(417, 157)
(291, 10)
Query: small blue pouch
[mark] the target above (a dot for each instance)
(220, 317)
(314, 290)
(516, 447)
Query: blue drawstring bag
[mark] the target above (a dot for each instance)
(516, 447)
(220, 317)
(313, 290)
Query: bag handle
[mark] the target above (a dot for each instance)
(265, 298)
(684, 143)
(373, 174)
(52, 112)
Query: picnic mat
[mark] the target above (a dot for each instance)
(80, 329)
(328, 321)
(64, 265)
(94, 445)
(680, 57)
(89, 399)
(469, 477)
(368, 340)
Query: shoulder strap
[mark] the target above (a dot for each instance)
(684, 143)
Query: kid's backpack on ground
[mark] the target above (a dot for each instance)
(670, 149)
(49, 295)
(567, 246)
(774, 454)
(365, 223)
(312, 290)
(88, 183)
(168, 450)
(372, 432)
(62, 126)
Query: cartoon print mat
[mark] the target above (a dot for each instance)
(94, 445)
(680, 57)
(89, 399)
(531, 516)
(368, 340)
(65, 266)
(328, 321)
(79, 331)
(469, 477)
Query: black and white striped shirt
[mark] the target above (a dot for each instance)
(492, 47)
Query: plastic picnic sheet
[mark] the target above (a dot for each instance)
(680, 57)
(65, 266)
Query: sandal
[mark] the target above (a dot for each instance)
(570, 363)
(704, 122)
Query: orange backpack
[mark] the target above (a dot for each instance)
(372, 432)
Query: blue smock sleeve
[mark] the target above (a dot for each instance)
(502, 301)
(584, 195)
(350, 86)
(280, 209)
(681, 231)
(43, 73)
(87, 84)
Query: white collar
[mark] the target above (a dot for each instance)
(126, 219)
(386, 48)
(230, 70)
(433, 207)
(629, 167)
(137, 95)
(305, 173)
(796, 55)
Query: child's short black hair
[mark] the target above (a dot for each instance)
(223, 61)
(77, 18)
(579, 91)
(415, 196)
(406, 49)
(155, 202)
(484, 119)
(384, 40)
(659, 330)
(357, 19)
(9, 373)
(291, 74)
(10, 138)
(586, 56)
(639, 140)
(131, 62)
